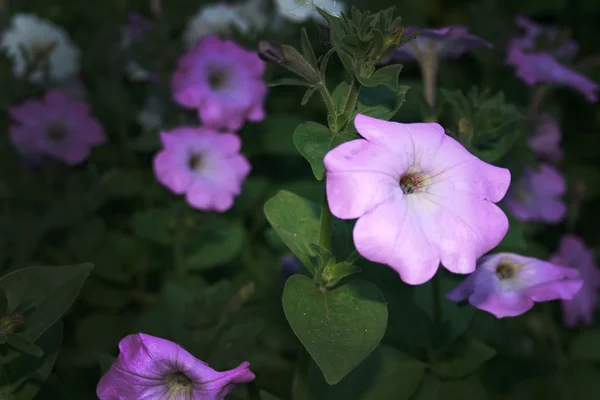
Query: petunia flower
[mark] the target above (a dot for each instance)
(204, 165)
(508, 285)
(420, 198)
(432, 45)
(545, 141)
(31, 39)
(57, 127)
(223, 82)
(537, 195)
(538, 55)
(151, 368)
(573, 252)
(301, 10)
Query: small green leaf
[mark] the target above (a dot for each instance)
(338, 327)
(215, 242)
(386, 76)
(24, 346)
(314, 141)
(332, 274)
(296, 221)
(381, 102)
(289, 82)
(307, 50)
(324, 62)
(470, 355)
(586, 345)
(309, 93)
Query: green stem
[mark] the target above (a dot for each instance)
(326, 225)
(436, 296)
(352, 97)
(327, 98)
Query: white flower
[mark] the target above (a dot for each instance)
(29, 37)
(217, 19)
(301, 10)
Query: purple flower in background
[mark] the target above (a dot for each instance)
(537, 55)
(153, 368)
(222, 81)
(449, 42)
(137, 28)
(205, 165)
(545, 141)
(508, 285)
(55, 126)
(290, 265)
(537, 195)
(419, 196)
(573, 253)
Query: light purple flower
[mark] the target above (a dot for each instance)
(449, 42)
(508, 285)
(222, 81)
(419, 196)
(205, 165)
(545, 141)
(151, 368)
(573, 253)
(55, 126)
(535, 65)
(537, 195)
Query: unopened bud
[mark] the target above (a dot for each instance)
(289, 57)
(270, 52)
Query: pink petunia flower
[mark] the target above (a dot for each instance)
(537, 195)
(545, 141)
(419, 196)
(57, 127)
(508, 285)
(205, 165)
(573, 252)
(222, 81)
(537, 55)
(149, 367)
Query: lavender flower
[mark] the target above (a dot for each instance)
(508, 285)
(545, 141)
(153, 368)
(419, 196)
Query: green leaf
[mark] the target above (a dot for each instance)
(386, 374)
(380, 101)
(43, 294)
(386, 76)
(24, 346)
(296, 221)
(463, 389)
(338, 327)
(332, 274)
(309, 93)
(217, 241)
(307, 50)
(314, 141)
(289, 82)
(586, 345)
(154, 224)
(470, 355)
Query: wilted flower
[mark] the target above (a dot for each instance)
(419, 196)
(301, 10)
(537, 195)
(57, 127)
(545, 141)
(508, 285)
(220, 18)
(573, 253)
(205, 165)
(30, 39)
(149, 367)
(537, 56)
(223, 82)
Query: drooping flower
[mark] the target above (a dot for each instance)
(223, 82)
(537, 195)
(205, 165)
(545, 141)
(508, 285)
(135, 32)
(57, 127)
(573, 252)
(419, 196)
(149, 367)
(301, 10)
(538, 56)
(31, 39)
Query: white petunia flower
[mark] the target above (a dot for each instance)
(218, 19)
(301, 10)
(29, 38)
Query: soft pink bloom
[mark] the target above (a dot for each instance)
(508, 285)
(536, 65)
(573, 253)
(222, 81)
(151, 368)
(545, 141)
(57, 127)
(537, 195)
(449, 42)
(205, 165)
(419, 196)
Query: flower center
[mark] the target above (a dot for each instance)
(505, 270)
(41, 49)
(196, 161)
(56, 133)
(179, 383)
(412, 182)
(218, 78)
